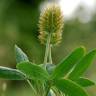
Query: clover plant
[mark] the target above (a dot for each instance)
(49, 79)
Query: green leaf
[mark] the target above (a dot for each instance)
(69, 87)
(84, 82)
(11, 74)
(81, 67)
(66, 65)
(33, 71)
(20, 55)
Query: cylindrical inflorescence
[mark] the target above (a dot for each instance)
(51, 22)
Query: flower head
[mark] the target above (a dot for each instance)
(51, 22)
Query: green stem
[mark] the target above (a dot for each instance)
(50, 56)
(47, 50)
(31, 87)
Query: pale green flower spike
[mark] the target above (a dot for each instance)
(51, 23)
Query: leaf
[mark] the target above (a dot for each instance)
(11, 74)
(33, 71)
(66, 65)
(50, 68)
(20, 55)
(84, 82)
(69, 87)
(81, 67)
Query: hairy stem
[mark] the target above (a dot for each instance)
(47, 49)
(34, 91)
(50, 56)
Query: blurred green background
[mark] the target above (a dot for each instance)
(18, 25)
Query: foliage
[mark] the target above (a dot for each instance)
(64, 77)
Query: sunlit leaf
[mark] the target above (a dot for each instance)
(33, 71)
(84, 82)
(81, 67)
(69, 87)
(66, 65)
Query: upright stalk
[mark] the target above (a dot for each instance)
(47, 49)
(50, 56)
